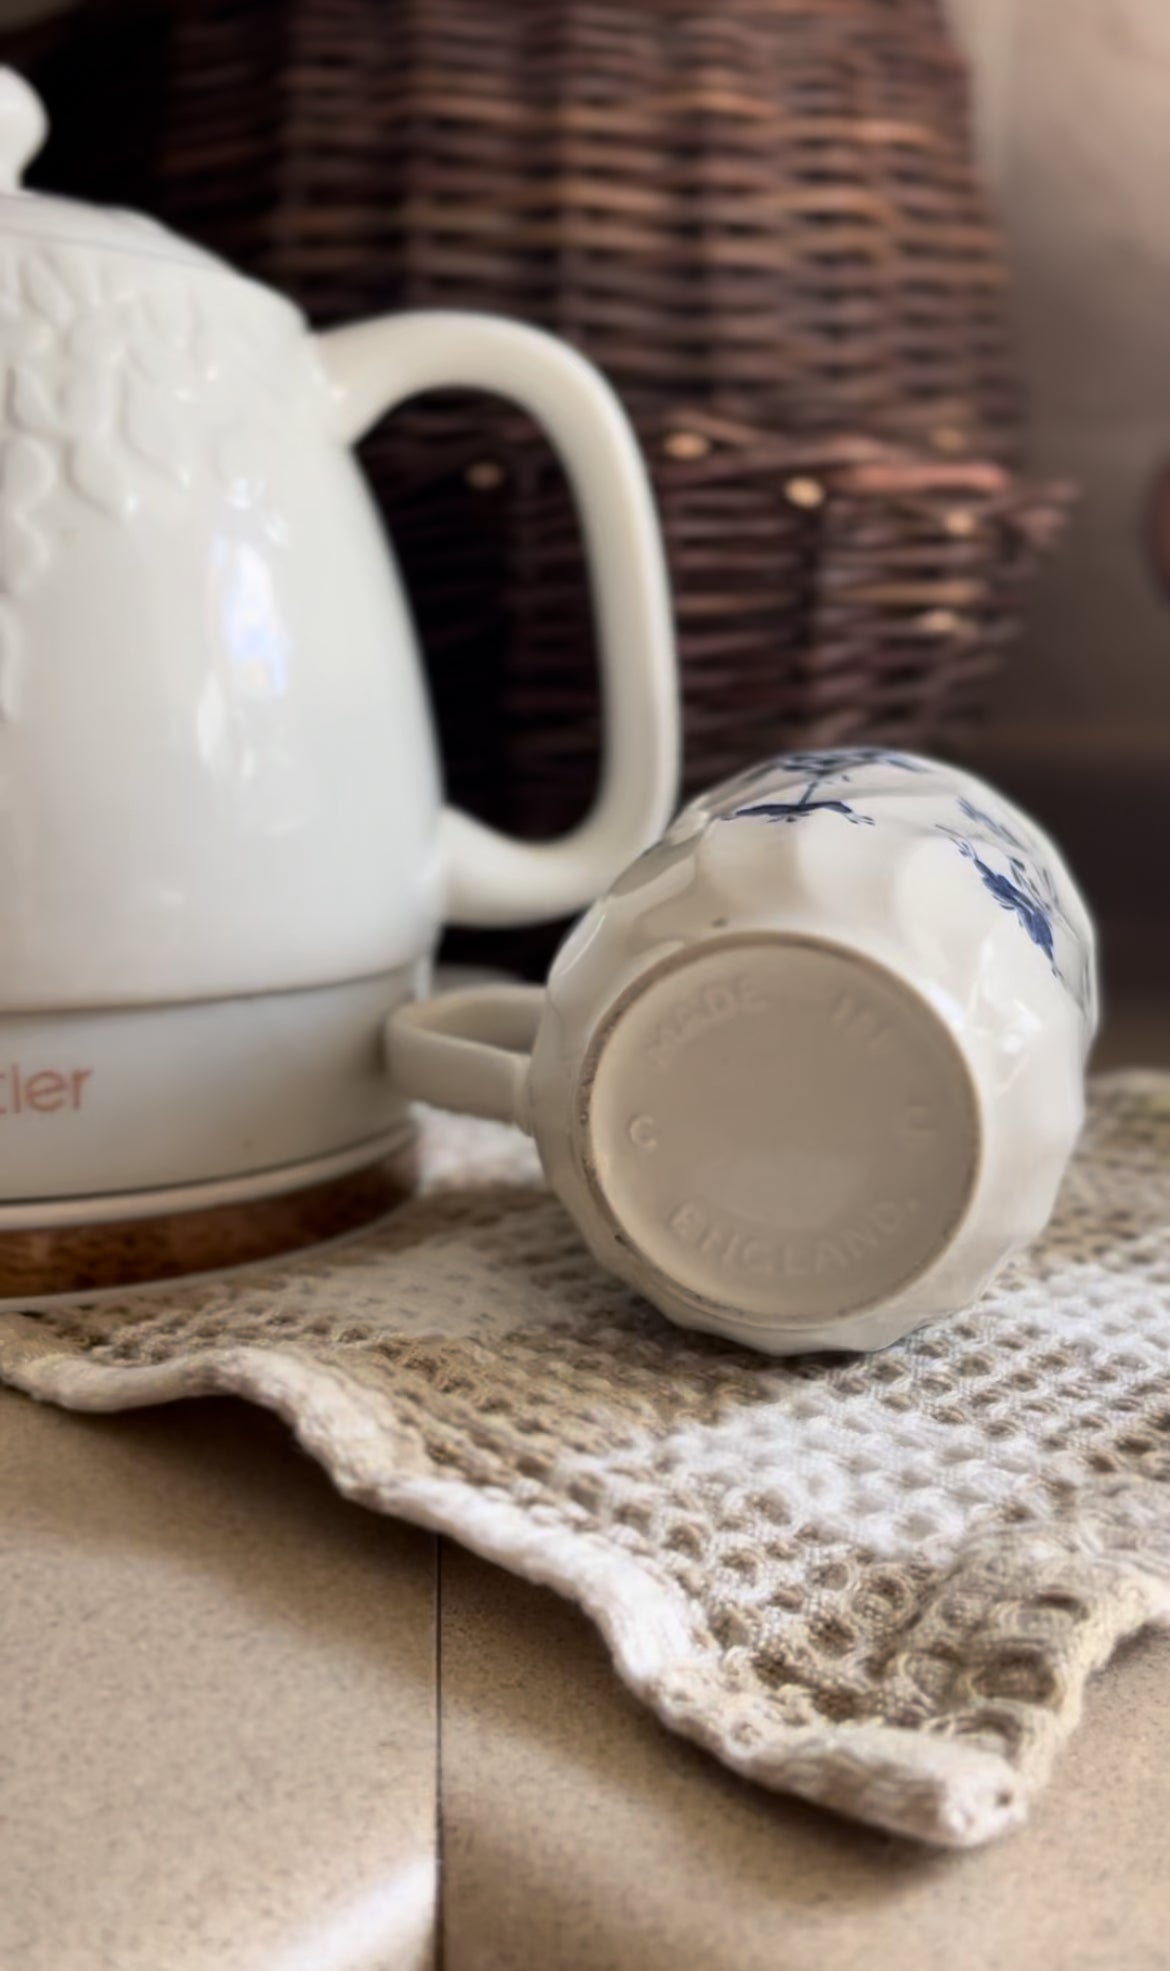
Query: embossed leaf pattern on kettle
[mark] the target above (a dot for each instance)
(118, 381)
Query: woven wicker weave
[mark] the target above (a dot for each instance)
(759, 216)
(826, 590)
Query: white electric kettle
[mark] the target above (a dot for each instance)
(223, 856)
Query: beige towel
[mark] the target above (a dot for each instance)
(877, 1581)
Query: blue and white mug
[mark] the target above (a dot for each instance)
(813, 1067)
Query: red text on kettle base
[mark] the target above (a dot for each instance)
(45, 1092)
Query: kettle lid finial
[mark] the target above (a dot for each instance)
(64, 222)
(23, 127)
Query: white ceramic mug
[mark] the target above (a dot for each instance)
(223, 850)
(813, 1068)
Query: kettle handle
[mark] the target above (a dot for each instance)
(373, 366)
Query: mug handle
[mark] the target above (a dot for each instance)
(373, 366)
(467, 1050)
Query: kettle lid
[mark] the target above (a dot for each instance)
(58, 221)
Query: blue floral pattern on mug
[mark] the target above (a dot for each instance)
(1015, 871)
(1009, 862)
(818, 770)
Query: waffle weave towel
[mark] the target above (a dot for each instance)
(877, 1581)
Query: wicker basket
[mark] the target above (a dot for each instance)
(827, 590)
(759, 216)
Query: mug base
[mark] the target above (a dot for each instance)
(782, 1134)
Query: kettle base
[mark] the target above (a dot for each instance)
(132, 1241)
